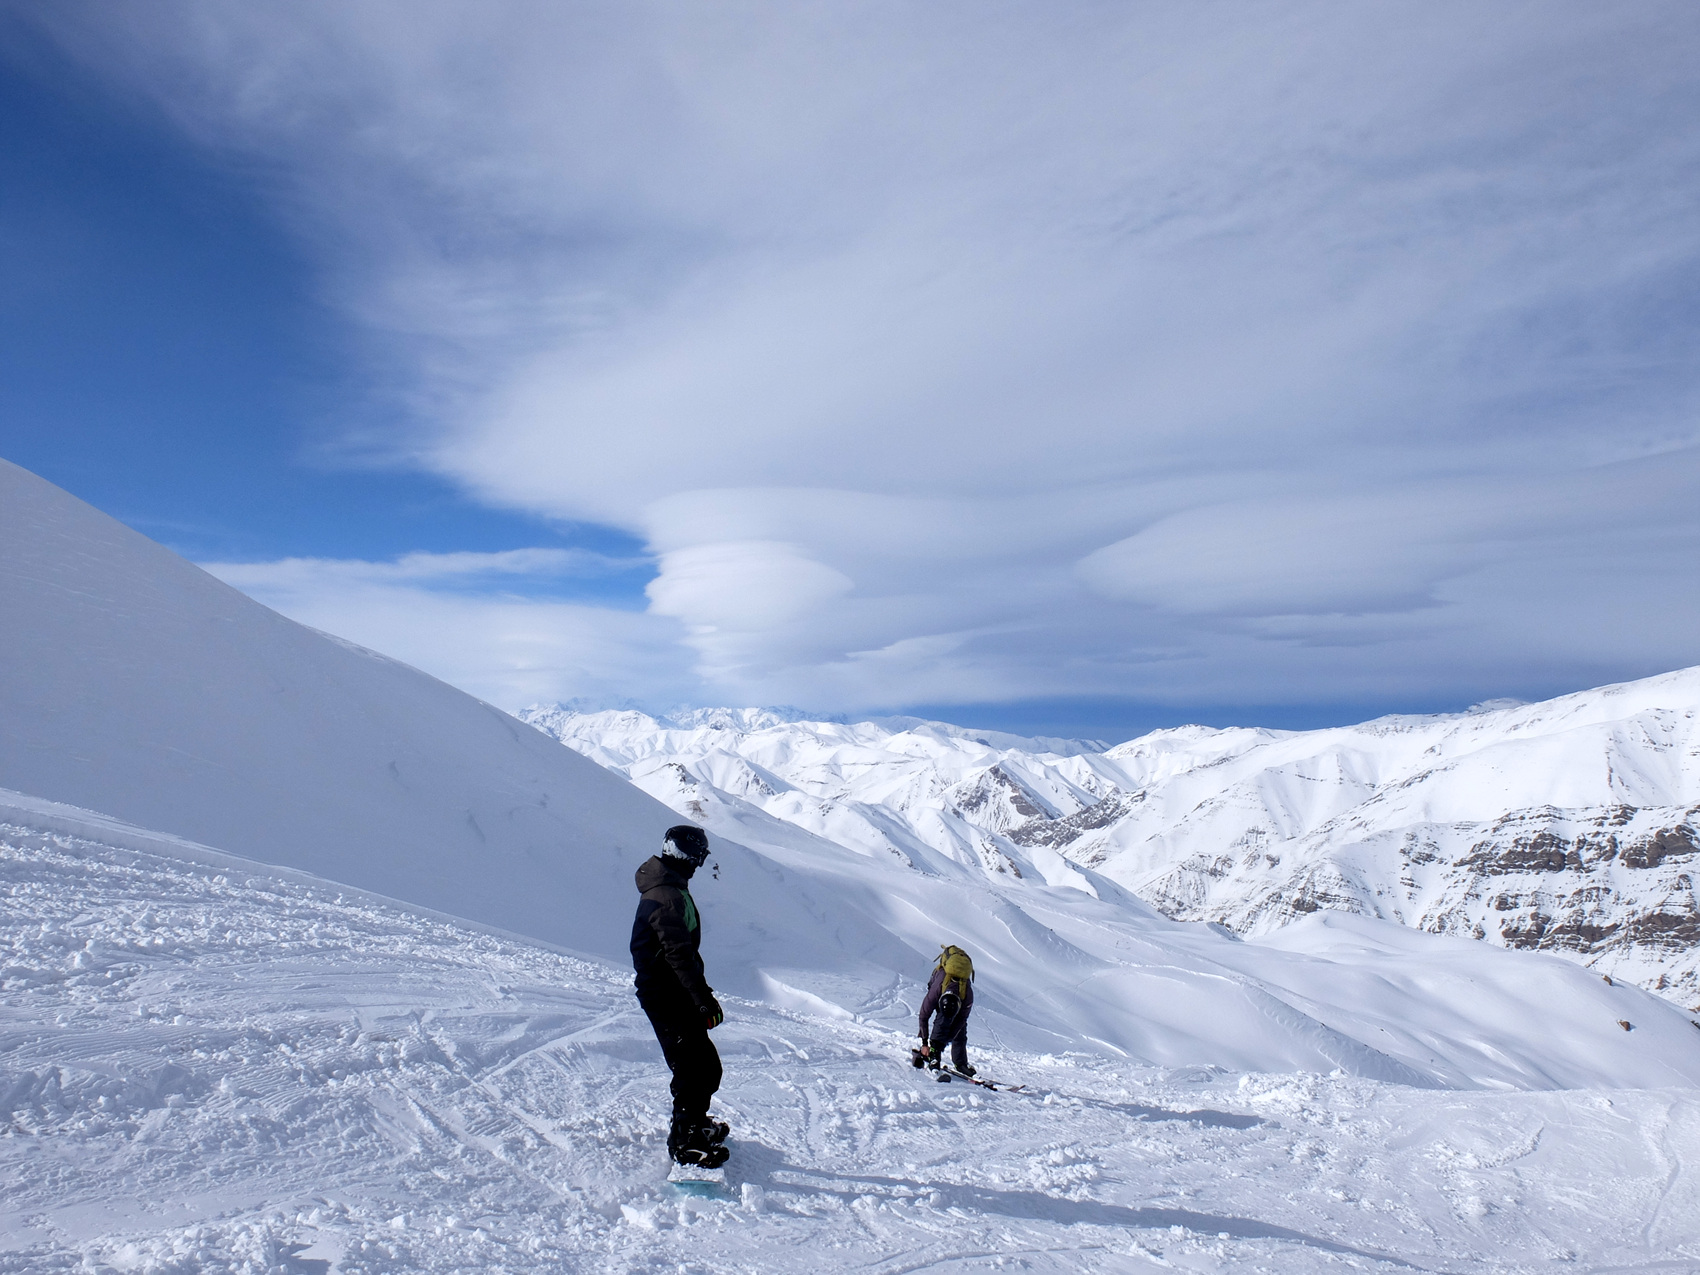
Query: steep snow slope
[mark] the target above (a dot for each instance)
(133, 683)
(1570, 826)
(205, 1068)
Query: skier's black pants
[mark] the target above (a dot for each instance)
(951, 1030)
(690, 1054)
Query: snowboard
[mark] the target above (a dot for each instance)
(695, 1180)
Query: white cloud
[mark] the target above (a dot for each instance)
(1190, 352)
(502, 646)
(734, 596)
(1374, 552)
(515, 565)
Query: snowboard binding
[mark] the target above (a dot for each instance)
(716, 1131)
(699, 1143)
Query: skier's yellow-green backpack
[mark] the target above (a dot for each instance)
(958, 969)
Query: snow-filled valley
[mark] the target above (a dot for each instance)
(309, 962)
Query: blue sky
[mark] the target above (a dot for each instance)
(165, 357)
(1256, 363)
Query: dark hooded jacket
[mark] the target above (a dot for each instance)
(665, 938)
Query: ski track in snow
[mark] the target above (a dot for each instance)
(209, 1070)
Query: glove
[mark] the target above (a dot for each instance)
(712, 1014)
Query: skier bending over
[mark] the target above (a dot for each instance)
(949, 1000)
(675, 994)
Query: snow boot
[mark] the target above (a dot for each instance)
(715, 1131)
(693, 1142)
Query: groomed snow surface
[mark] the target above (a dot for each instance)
(205, 1066)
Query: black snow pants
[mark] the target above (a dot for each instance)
(951, 1030)
(690, 1055)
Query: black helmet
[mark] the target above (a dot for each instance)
(688, 842)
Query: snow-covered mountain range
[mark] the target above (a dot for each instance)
(1570, 826)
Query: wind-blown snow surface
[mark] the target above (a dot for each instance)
(207, 1067)
(1571, 826)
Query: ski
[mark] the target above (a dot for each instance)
(944, 1074)
(993, 1085)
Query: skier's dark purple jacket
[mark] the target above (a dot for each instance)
(934, 990)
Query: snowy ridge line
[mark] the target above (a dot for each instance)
(688, 717)
(37, 814)
(139, 686)
(1569, 826)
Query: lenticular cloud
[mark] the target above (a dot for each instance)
(1158, 350)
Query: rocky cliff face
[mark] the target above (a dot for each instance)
(1568, 826)
(1611, 887)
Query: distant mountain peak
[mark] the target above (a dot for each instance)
(688, 717)
(1566, 825)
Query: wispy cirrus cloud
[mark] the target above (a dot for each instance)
(1202, 353)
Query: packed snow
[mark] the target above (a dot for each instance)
(208, 1067)
(1570, 826)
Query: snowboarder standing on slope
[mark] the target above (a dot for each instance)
(949, 999)
(675, 994)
